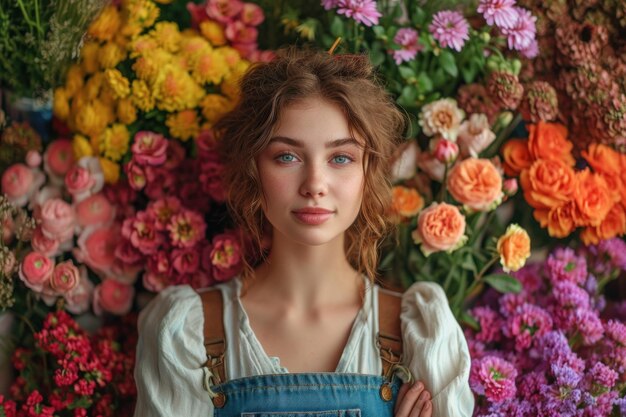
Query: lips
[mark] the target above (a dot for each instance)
(313, 215)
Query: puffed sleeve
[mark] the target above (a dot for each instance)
(436, 349)
(170, 353)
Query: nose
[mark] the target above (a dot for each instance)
(314, 184)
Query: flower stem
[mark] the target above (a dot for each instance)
(442, 192)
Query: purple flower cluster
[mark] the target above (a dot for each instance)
(547, 351)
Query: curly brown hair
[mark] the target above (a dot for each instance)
(348, 81)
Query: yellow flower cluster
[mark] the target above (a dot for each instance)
(137, 74)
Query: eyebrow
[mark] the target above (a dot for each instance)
(331, 144)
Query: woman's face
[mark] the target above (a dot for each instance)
(311, 174)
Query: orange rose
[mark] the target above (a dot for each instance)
(406, 201)
(516, 157)
(440, 227)
(476, 183)
(560, 221)
(514, 248)
(593, 198)
(603, 159)
(614, 224)
(548, 183)
(549, 141)
(622, 174)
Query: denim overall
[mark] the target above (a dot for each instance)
(320, 394)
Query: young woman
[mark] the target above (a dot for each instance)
(305, 331)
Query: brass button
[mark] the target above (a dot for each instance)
(220, 400)
(385, 392)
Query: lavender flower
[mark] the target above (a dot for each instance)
(500, 12)
(450, 28)
(616, 331)
(589, 326)
(564, 265)
(615, 250)
(553, 347)
(570, 296)
(603, 376)
(494, 378)
(408, 39)
(363, 11)
(565, 376)
(523, 32)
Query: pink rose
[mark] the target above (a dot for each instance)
(65, 277)
(225, 256)
(175, 155)
(96, 248)
(211, 179)
(57, 219)
(113, 297)
(136, 175)
(162, 211)
(46, 193)
(33, 159)
(185, 261)
(127, 253)
(475, 135)
(237, 32)
(35, 271)
(89, 171)
(155, 282)
(78, 300)
(160, 263)
(78, 180)
(20, 182)
(252, 14)
(43, 245)
(161, 183)
(510, 186)
(186, 229)
(149, 148)
(445, 151)
(223, 10)
(94, 211)
(197, 12)
(142, 233)
(440, 227)
(58, 159)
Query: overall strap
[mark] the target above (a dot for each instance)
(214, 335)
(389, 337)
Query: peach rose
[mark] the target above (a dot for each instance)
(78, 300)
(559, 220)
(548, 183)
(514, 248)
(440, 227)
(593, 198)
(94, 211)
(516, 157)
(19, 183)
(406, 202)
(113, 297)
(43, 245)
(476, 183)
(549, 141)
(614, 224)
(57, 219)
(35, 271)
(65, 277)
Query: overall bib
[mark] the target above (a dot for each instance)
(319, 394)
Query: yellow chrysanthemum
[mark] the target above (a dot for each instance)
(106, 110)
(209, 67)
(183, 125)
(78, 102)
(74, 80)
(131, 29)
(114, 142)
(213, 32)
(111, 171)
(142, 45)
(167, 35)
(175, 90)
(192, 45)
(89, 55)
(106, 24)
(214, 106)
(231, 56)
(89, 121)
(119, 83)
(110, 55)
(81, 147)
(107, 95)
(142, 13)
(93, 85)
(126, 111)
(142, 96)
(230, 86)
(61, 106)
(148, 66)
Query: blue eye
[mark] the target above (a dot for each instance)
(342, 159)
(286, 157)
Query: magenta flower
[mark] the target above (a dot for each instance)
(450, 28)
(588, 326)
(522, 33)
(528, 322)
(498, 12)
(494, 378)
(186, 228)
(407, 38)
(330, 4)
(490, 324)
(225, 254)
(363, 11)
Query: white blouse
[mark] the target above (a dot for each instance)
(170, 350)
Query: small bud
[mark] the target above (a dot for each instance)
(446, 151)
(510, 187)
(33, 159)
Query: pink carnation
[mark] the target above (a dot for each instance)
(186, 229)
(162, 211)
(223, 10)
(142, 233)
(149, 148)
(527, 323)
(494, 378)
(225, 255)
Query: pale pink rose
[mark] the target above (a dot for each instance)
(162, 211)
(186, 229)
(113, 297)
(475, 135)
(186, 261)
(252, 14)
(161, 183)
(65, 277)
(155, 282)
(43, 245)
(58, 159)
(445, 151)
(78, 300)
(149, 148)
(223, 10)
(33, 159)
(440, 227)
(20, 183)
(142, 233)
(427, 162)
(96, 248)
(136, 175)
(58, 219)
(175, 155)
(35, 271)
(238, 32)
(226, 256)
(94, 211)
(404, 162)
(211, 179)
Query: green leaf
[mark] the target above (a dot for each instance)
(336, 27)
(406, 72)
(469, 264)
(467, 319)
(424, 82)
(447, 62)
(377, 55)
(379, 31)
(468, 72)
(504, 283)
(408, 96)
